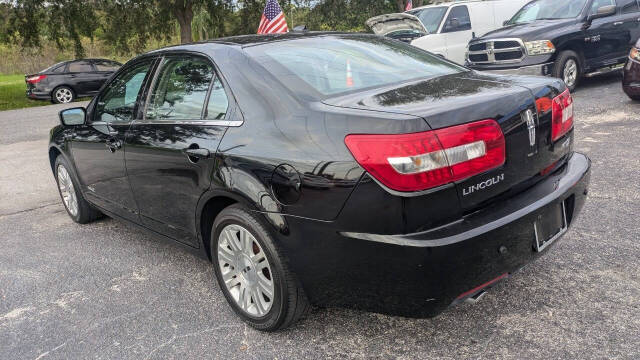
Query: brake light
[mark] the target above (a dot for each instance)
(562, 115)
(420, 161)
(36, 79)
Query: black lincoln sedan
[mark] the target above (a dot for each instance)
(66, 81)
(330, 169)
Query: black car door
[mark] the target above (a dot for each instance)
(97, 146)
(170, 153)
(605, 37)
(82, 77)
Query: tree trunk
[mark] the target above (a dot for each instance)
(184, 14)
(401, 5)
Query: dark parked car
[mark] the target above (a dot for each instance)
(631, 74)
(566, 39)
(323, 168)
(66, 81)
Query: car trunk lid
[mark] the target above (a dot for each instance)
(390, 23)
(463, 98)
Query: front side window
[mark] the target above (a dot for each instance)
(80, 66)
(549, 10)
(117, 102)
(181, 88)
(430, 17)
(458, 20)
(346, 63)
(628, 6)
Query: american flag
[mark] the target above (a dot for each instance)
(273, 21)
(409, 5)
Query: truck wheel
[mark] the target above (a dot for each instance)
(567, 68)
(253, 273)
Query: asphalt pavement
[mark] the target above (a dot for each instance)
(107, 291)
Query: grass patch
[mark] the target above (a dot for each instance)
(13, 93)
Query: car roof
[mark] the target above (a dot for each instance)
(251, 40)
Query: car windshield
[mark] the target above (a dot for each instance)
(430, 17)
(346, 63)
(548, 10)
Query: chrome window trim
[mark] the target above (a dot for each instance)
(226, 123)
(491, 54)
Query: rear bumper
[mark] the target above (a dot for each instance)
(421, 274)
(38, 95)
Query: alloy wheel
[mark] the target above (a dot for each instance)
(64, 95)
(67, 190)
(245, 270)
(570, 72)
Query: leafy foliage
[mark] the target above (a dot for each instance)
(128, 26)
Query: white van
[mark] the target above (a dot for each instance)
(445, 29)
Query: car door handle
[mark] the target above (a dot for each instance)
(197, 153)
(617, 23)
(113, 144)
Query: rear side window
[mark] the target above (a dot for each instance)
(458, 20)
(181, 88)
(106, 66)
(628, 6)
(218, 102)
(80, 66)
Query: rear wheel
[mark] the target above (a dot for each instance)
(77, 207)
(252, 272)
(63, 95)
(567, 68)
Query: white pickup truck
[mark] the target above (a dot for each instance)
(446, 29)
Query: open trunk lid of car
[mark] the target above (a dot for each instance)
(391, 23)
(468, 97)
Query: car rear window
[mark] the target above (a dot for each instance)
(337, 65)
(56, 68)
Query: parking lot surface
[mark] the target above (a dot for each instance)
(107, 291)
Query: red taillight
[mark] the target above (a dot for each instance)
(36, 79)
(562, 115)
(420, 161)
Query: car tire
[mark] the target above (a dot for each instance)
(567, 67)
(634, 97)
(63, 95)
(77, 207)
(245, 283)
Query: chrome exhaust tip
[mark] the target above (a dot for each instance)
(476, 298)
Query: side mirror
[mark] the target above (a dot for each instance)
(603, 11)
(73, 116)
